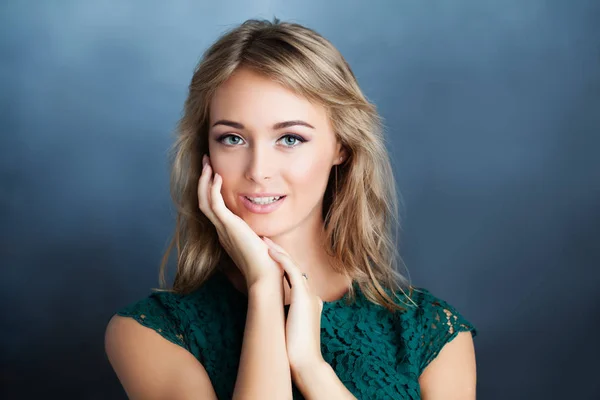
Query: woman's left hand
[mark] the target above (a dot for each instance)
(303, 324)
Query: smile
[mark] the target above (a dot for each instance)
(262, 205)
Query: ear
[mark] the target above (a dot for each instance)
(340, 152)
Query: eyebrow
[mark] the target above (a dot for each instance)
(279, 125)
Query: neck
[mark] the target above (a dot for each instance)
(306, 246)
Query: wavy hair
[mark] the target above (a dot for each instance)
(360, 207)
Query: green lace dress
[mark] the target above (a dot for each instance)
(376, 354)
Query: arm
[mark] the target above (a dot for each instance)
(321, 382)
(151, 367)
(264, 371)
(310, 372)
(452, 374)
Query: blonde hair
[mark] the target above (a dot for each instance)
(360, 208)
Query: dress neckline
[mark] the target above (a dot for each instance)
(220, 275)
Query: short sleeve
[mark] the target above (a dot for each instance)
(440, 323)
(160, 312)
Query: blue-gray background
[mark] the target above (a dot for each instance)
(493, 114)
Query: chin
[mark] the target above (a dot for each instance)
(264, 228)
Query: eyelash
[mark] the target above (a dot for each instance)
(300, 139)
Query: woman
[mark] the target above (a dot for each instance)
(286, 282)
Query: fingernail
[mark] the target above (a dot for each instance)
(204, 160)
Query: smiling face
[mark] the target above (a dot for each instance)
(263, 138)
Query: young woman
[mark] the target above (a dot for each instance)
(287, 283)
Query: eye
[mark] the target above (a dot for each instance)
(290, 140)
(296, 139)
(222, 138)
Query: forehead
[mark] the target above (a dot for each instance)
(254, 99)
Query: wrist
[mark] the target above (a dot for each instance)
(309, 372)
(266, 288)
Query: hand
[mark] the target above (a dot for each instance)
(303, 324)
(246, 249)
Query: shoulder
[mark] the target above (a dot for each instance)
(438, 314)
(159, 311)
(446, 353)
(170, 314)
(429, 323)
(149, 366)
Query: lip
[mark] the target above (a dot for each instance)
(260, 208)
(262, 194)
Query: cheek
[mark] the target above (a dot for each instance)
(229, 179)
(226, 167)
(311, 176)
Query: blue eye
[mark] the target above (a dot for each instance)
(296, 139)
(222, 139)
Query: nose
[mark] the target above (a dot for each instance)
(260, 165)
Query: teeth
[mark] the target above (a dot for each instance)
(263, 200)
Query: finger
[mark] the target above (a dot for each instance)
(204, 195)
(305, 278)
(281, 250)
(295, 275)
(277, 247)
(273, 244)
(216, 201)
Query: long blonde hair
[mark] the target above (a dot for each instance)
(360, 207)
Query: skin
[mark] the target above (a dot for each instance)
(259, 158)
(151, 367)
(262, 159)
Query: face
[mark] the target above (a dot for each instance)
(263, 138)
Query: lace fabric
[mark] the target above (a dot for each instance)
(375, 353)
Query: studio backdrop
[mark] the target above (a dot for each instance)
(492, 118)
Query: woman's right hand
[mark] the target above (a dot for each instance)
(247, 250)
